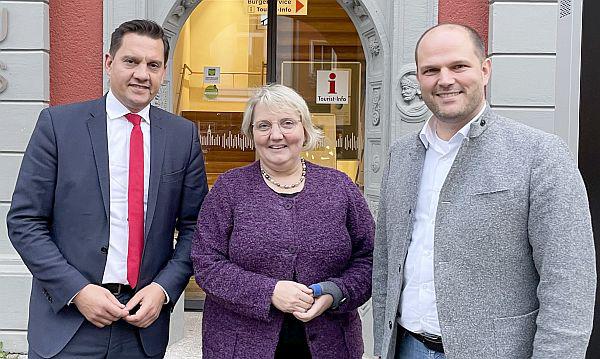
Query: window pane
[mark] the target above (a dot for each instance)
(325, 39)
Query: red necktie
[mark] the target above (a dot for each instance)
(135, 200)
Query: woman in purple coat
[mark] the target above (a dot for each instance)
(283, 247)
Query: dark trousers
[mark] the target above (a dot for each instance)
(292, 340)
(116, 341)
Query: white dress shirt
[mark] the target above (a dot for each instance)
(118, 131)
(418, 309)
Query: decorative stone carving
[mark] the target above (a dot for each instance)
(162, 97)
(375, 163)
(374, 46)
(183, 6)
(376, 106)
(357, 9)
(410, 87)
(178, 12)
(410, 103)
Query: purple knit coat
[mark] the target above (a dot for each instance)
(248, 237)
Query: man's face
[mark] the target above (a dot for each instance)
(451, 75)
(136, 71)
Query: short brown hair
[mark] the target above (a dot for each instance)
(141, 27)
(476, 40)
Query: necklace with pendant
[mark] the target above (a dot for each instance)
(285, 186)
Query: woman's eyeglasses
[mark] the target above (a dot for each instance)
(286, 125)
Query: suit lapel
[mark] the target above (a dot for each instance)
(97, 129)
(157, 153)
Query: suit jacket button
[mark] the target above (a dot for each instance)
(288, 206)
(390, 324)
(104, 250)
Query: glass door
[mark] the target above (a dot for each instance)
(320, 55)
(227, 48)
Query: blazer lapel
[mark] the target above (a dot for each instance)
(417, 152)
(415, 168)
(157, 153)
(412, 166)
(97, 129)
(417, 156)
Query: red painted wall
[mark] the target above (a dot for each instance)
(474, 13)
(75, 50)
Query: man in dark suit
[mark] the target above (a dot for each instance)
(102, 187)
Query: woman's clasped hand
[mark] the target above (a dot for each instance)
(297, 299)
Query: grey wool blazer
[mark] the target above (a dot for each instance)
(514, 261)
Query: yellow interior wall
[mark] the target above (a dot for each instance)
(215, 34)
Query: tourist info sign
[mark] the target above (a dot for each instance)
(284, 7)
(333, 86)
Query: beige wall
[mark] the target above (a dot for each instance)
(24, 64)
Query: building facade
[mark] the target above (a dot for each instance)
(51, 53)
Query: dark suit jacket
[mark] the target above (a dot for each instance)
(59, 216)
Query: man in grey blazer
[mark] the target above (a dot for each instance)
(484, 245)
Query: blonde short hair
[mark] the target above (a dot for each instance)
(278, 98)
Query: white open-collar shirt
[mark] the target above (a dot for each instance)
(418, 309)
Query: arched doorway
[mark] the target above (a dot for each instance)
(221, 56)
(377, 95)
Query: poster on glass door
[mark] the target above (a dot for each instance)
(212, 75)
(333, 86)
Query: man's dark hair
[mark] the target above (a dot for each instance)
(141, 27)
(476, 40)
